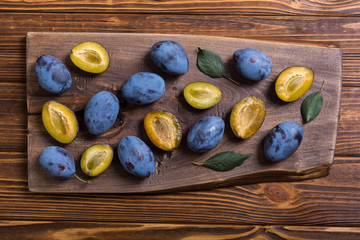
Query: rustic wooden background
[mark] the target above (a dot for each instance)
(174, 171)
(325, 208)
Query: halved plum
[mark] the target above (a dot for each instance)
(96, 159)
(202, 95)
(59, 121)
(294, 82)
(247, 117)
(163, 129)
(90, 57)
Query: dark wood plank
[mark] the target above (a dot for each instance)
(348, 138)
(342, 31)
(330, 201)
(282, 27)
(14, 122)
(174, 169)
(245, 7)
(13, 126)
(12, 53)
(27, 230)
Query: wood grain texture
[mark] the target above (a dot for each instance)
(12, 106)
(14, 122)
(244, 7)
(330, 201)
(129, 55)
(26, 230)
(342, 31)
(347, 140)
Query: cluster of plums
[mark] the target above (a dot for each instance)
(162, 127)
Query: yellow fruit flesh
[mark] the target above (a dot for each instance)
(164, 132)
(202, 95)
(247, 117)
(293, 83)
(59, 121)
(163, 129)
(90, 57)
(96, 159)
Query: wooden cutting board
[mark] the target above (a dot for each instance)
(129, 54)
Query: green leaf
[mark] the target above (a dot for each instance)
(311, 106)
(211, 64)
(224, 161)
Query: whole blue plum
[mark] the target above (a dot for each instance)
(143, 88)
(52, 74)
(57, 162)
(101, 112)
(170, 57)
(282, 141)
(136, 157)
(252, 64)
(206, 134)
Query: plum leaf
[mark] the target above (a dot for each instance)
(211, 64)
(224, 161)
(311, 106)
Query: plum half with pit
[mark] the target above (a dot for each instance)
(96, 159)
(163, 129)
(247, 117)
(202, 95)
(59, 121)
(293, 83)
(90, 57)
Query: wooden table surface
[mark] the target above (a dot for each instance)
(324, 208)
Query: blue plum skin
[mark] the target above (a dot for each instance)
(282, 141)
(101, 112)
(252, 64)
(170, 57)
(143, 88)
(57, 162)
(136, 157)
(52, 74)
(206, 134)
